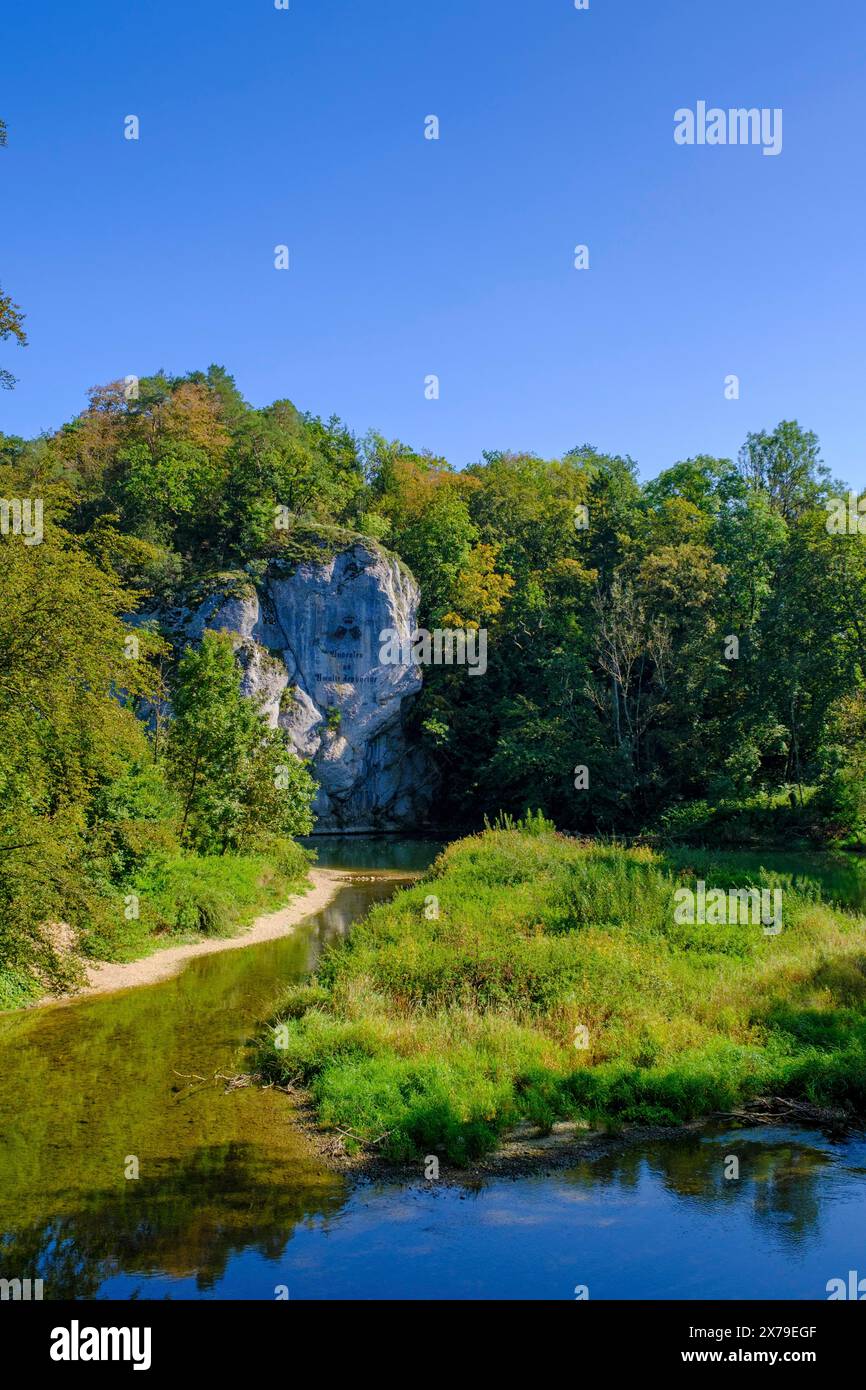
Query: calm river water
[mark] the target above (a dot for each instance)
(231, 1201)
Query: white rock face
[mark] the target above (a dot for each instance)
(308, 642)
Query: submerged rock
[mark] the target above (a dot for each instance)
(307, 638)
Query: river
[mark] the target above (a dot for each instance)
(232, 1202)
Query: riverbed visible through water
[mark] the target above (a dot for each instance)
(231, 1200)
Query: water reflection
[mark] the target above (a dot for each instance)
(87, 1087)
(232, 1201)
(402, 855)
(778, 1171)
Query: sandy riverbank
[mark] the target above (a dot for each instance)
(107, 976)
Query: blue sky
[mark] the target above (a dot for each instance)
(411, 257)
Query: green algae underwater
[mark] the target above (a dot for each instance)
(88, 1086)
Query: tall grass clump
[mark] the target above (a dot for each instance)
(187, 896)
(530, 977)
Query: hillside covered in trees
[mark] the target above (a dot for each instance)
(683, 657)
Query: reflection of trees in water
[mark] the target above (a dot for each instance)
(779, 1179)
(134, 1073)
(352, 903)
(187, 1220)
(374, 852)
(117, 1075)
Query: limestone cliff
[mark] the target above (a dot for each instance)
(307, 638)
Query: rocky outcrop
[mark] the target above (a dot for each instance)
(307, 638)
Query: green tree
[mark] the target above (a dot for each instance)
(786, 465)
(67, 730)
(11, 326)
(234, 776)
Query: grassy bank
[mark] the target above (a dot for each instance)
(828, 816)
(172, 900)
(193, 896)
(438, 1032)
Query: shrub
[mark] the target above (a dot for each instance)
(433, 1036)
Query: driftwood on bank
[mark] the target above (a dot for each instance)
(771, 1110)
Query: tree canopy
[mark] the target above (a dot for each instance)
(657, 652)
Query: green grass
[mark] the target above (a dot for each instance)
(188, 897)
(780, 817)
(181, 899)
(435, 1036)
(17, 988)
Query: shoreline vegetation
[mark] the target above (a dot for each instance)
(184, 904)
(680, 660)
(531, 983)
(306, 898)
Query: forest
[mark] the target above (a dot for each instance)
(676, 660)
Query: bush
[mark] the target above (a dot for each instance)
(434, 1036)
(187, 895)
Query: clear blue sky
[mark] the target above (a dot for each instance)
(411, 257)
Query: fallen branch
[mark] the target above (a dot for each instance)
(350, 1134)
(767, 1110)
(238, 1082)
